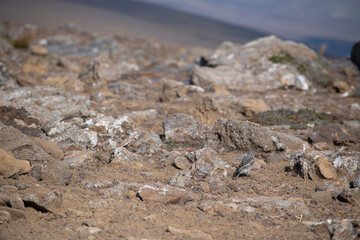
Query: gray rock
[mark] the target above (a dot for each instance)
(4, 217)
(192, 234)
(42, 199)
(57, 172)
(345, 229)
(350, 196)
(206, 166)
(6, 81)
(294, 207)
(247, 67)
(143, 142)
(231, 135)
(183, 128)
(164, 194)
(14, 213)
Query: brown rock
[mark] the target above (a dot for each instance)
(181, 163)
(253, 106)
(231, 135)
(350, 196)
(192, 234)
(207, 111)
(4, 217)
(328, 132)
(164, 195)
(35, 65)
(10, 166)
(321, 146)
(42, 199)
(38, 50)
(341, 86)
(326, 168)
(15, 213)
(50, 148)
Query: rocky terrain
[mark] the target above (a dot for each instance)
(118, 138)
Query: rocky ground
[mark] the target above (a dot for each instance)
(118, 138)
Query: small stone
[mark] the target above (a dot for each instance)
(17, 203)
(4, 216)
(10, 166)
(182, 163)
(326, 168)
(350, 196)
(42, 199)
(57, 172)
(78, 159)
(321, 146)
(342, 229)
(15, 213)
(341, 86)
(253, 106)
(50, 147)
(38, 50)
(164, 195)
(193, 234)
(130, 194)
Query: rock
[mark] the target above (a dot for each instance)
(143, 142)
(22, 146)
(207, 111)
(38, 50)
(334, 187)
(79, 159)
(321, 146)
(341, 86)
(322, 197)
(6, 81)
(126, 158)
(109, 71)
(181, 163)
(14, 213)
(181, 127)
(327, 132)
(34, 65)
(345, 229)
(42, 199)
(231, 135)
(356, 182)
(253, 106)
(173, 90)
(355, 54)
(248, 68)
(16, 202)
(57, 172)
(50, 148)
(348, 161)
(164, 195)
(293, 207)
(85, 231)
(350, 196)
(207, 166)
(10, 166)
(326, 168)
(5, 217)
(192, 234)
(20, 119)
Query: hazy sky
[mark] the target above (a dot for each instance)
(288, 18)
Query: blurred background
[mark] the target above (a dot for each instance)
(204, 23)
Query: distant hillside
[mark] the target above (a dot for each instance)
(204, 31)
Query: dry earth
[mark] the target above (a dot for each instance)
(118, 138)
